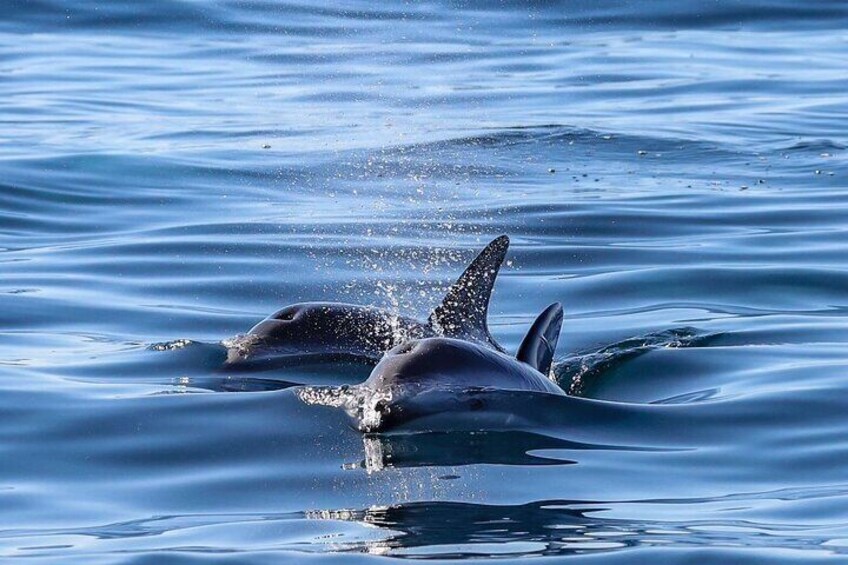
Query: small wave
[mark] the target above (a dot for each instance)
(456, 530)
(816, 145)
(563, 135)
(446, 529)
(577, 374)
(171, 345)
(503, 18)
(234, 384)
(690, 397)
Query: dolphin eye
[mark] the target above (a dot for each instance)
(476, 404)
(286, 316)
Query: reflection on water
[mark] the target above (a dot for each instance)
(559, 527)
(456, 449)
(449, 530)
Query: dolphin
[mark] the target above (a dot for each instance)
(329, 329)
(422, 379)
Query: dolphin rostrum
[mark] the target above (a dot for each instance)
(422, 379)
(366, 332)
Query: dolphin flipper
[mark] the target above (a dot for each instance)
(462, 313)
(538, 347)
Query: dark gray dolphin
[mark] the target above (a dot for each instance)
(365, 332)
(421, 380)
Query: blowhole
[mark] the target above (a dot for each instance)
(405, 348)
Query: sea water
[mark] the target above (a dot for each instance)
(675, 173)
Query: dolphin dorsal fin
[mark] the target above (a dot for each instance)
(462, 313)
(538, 347)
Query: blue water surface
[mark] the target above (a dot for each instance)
(675, 173)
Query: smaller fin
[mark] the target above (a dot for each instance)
(539, 345)
(462, 314)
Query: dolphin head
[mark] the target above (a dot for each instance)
(289, 331)
(434, 362)
(287, 327)
(306, 329)
(418, 383)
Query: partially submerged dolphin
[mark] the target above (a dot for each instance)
(423, 379)
(365, 332)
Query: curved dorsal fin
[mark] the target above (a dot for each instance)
(462, 313)
(538, 347)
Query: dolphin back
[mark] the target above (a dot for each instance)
(539, 345)
(462, 313)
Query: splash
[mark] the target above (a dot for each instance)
(240, 347)
(365, 407)
(171, 345)
(375, 459)
(396, 331)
